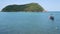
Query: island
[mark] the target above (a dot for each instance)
(31, 7)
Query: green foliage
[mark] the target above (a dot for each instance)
(27, 7)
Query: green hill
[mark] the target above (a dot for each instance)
(32, 7)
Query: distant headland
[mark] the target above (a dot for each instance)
(31, 7)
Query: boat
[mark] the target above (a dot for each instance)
(51, 18)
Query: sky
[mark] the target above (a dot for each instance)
(49, 5)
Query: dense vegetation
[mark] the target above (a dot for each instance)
(32, 7)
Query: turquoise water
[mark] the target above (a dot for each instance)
(29, 23)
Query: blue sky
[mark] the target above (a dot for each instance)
(50, 5)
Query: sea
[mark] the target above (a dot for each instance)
(29, 22)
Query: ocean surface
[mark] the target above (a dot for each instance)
(29, 23)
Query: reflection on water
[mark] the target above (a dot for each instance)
(29, 23)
